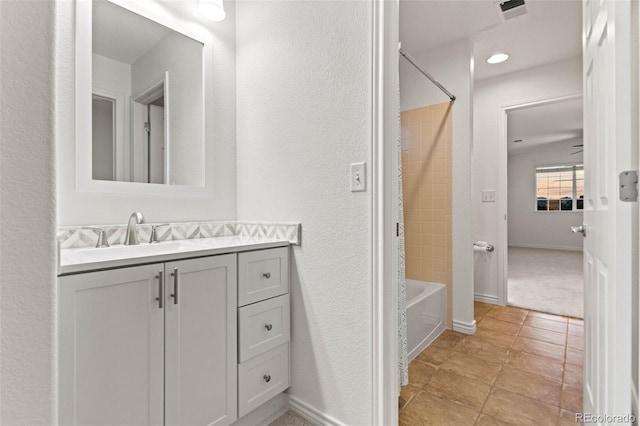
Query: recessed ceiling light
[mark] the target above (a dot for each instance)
(497, 58)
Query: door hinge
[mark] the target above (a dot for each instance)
(147, 126)
(629, 186)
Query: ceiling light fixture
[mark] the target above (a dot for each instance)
(497, 58)
(212, 9)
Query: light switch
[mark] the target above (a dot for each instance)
(489, 196)
(358, 177)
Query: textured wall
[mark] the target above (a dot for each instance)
(303, 116)
(27, 214)
(82, 208)
(548, 81)
(426, 186)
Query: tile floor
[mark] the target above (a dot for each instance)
(520, 368)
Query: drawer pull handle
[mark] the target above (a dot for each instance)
(267, 275)
(176, 283)
(267, 378)
(268, 327)
(160, 297)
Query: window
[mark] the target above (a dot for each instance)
(560, 188)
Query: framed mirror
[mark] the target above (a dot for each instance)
(140, 98)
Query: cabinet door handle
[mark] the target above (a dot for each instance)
(160, 297)
(267, 378)
(267, 275)
(176, 283)
(268, 327)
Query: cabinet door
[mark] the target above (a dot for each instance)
(111, 338)
(201, 341)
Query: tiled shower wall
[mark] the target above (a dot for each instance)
(426, 176)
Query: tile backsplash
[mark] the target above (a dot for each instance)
(86, 236)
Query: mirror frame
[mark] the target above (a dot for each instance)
(156, 12)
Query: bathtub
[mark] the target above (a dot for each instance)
(425, 315)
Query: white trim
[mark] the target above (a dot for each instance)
(486, 298)
(534, 246)
(310, 413)
(502, 204)
(464, 327)
(384, 251)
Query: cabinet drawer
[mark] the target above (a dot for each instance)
(262, 378)
(262, 326)
(262, 275)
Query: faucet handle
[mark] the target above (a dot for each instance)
(154, 235)
(102, 236)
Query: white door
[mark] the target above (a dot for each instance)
(156, 144)
(201, 341)
(608, 221)
(111, 348)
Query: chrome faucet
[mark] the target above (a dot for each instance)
(132, 230)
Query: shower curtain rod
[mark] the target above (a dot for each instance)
(426, 74)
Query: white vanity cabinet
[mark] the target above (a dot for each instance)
(150, 345)
(263, 326)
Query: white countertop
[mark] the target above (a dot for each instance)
(77, 260)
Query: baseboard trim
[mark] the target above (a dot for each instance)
(464, 327)
(534, 246)
(310, 413)
(485, 298)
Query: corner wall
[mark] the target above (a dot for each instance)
(451, 65)
(304, 114)
(554, 80)
(27, 214)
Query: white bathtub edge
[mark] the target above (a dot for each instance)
(464, 327)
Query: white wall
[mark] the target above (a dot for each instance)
(81, 208)
(303, 116)
(27, 214)
(451, 66)
(181, 57)
(548, 81)
(527, 227)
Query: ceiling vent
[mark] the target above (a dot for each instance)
(510, 9)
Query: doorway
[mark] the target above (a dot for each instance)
(545, 201)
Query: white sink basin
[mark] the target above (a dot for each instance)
(87, 255)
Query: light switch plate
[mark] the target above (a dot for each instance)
(489, 196)
(358, 177)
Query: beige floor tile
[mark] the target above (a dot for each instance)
(575, 342)
(420, 373)
(448, 340)
(453, 387)
(519, 410)
(406, 394)
(510, 309)
(546, 324)
(484, 349)
(543, 335)
(571, 398)
(573, 374)
(546, 367)
(496, 337)
(567, 418)
(435, 355)
(427, 409)
(548, 316)
(474, 368)
(536, 347)
(514, 317)
(485, 420)
(530, 385)
(490, 323)
(575, 356)
(576, 330)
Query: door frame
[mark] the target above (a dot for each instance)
(502, 195)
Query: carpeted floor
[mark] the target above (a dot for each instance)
(546, 280)
(290, 419)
